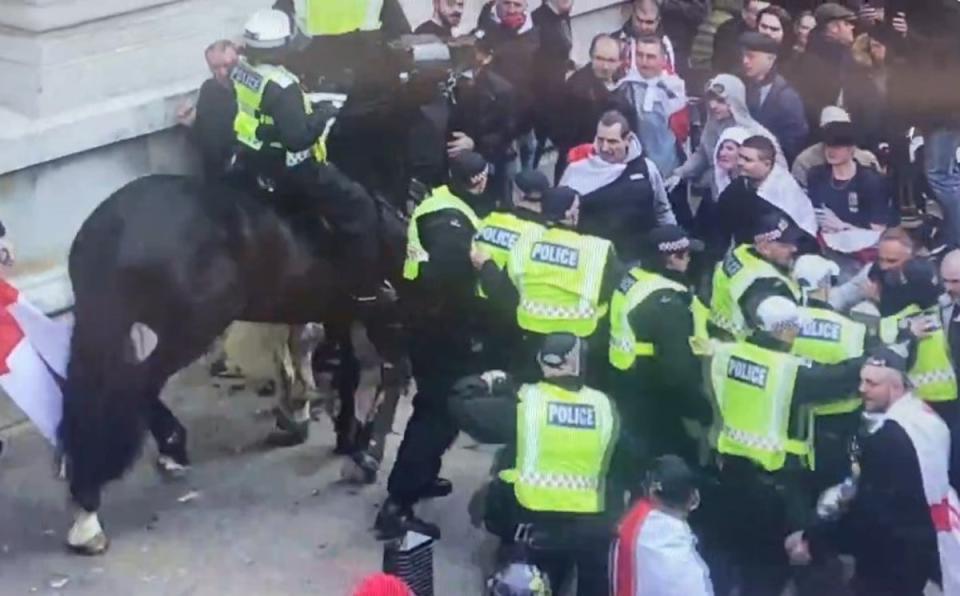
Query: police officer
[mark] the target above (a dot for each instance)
(750, 273)
(650, 329)
(279, 136)
(557, 280)
(499, 232)
(560, 436)
(439, 299)
(758, 386)
(909, 303)
(341, 37)
(827, 337)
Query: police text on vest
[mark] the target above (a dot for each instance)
(571, 415)
(747, 372)
(554, 254)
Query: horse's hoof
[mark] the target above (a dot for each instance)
(356, 470)
(171, 468)
(87, 537)
(93, 547)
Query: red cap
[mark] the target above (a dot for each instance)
(382, 584)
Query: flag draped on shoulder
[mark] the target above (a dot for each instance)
(34, 351)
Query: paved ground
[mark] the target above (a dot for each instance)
(263, 522)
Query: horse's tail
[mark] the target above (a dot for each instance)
(104, 407)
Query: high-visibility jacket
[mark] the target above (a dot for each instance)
(500, 231)
(636, 287)
(441, 198)
(336, 17)
(932, 373)
(564, 443)
(731, 279)
(558, 275)
(827, 337)
(754, 390)
(249, 83)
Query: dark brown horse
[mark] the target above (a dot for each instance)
(181, 259)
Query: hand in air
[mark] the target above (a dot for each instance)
(460, 143)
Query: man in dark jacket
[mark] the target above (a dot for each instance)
(485, 118)
(622, 190)
(586, 95)
(771, 99)
(886, 522)
(551, 64)
(509, 28)
(827, 73)
(446, 17)
(726, 43)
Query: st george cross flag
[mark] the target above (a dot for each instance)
(34, 351)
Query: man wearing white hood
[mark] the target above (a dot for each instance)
(622, 191)
(727, 107)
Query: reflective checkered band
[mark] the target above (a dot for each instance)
(675, 246)
(763, 443)
(933, 376)
(549, 311)
(295, 159)
(561, 481)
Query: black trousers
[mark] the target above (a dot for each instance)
(439, 358)
(569, 543)
(351, 212)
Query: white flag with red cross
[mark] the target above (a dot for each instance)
(34, 351)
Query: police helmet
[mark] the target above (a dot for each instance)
(519, 579)
(267, 30)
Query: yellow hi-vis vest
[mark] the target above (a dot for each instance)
(739, 269)
(827, 337)
(637, 286)
(754, 389)
(441, 198)
(249, 82)
(558, 274)
(932, 374)
(336, 17)
(500, 231)
(564, 443)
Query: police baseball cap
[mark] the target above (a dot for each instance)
(672, 480)
(839, 134)
(532, 183)
(777, 312)
(557, 348)
(887, 357)
(831, 11)
(555, 202)
(670, 239)
(466, 166)
(752, 41)
(774, 227)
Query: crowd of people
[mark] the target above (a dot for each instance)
(669, 338)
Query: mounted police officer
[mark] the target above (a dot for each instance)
(556, 280)
(439, 299)
(499, 233)
(343, 37)
(750, 273)
(281, 138)
(650, 329)
(551, 488)
(759, 388)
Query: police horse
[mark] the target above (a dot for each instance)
(159, 270)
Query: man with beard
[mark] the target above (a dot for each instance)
(447, 15)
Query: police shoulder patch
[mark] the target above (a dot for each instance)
(627, 283)
(731, 264)
(249, 78)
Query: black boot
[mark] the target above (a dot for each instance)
(289, 432)
(396, 519)
(441, 487)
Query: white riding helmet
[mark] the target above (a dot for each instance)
(813, 272)
(267, 30)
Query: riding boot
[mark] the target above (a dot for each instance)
(289, 432)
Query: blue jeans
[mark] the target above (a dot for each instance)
(943, 176)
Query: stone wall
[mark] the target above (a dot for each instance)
(87, 104)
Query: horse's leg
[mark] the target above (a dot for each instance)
(346, 381)
(171, 439)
